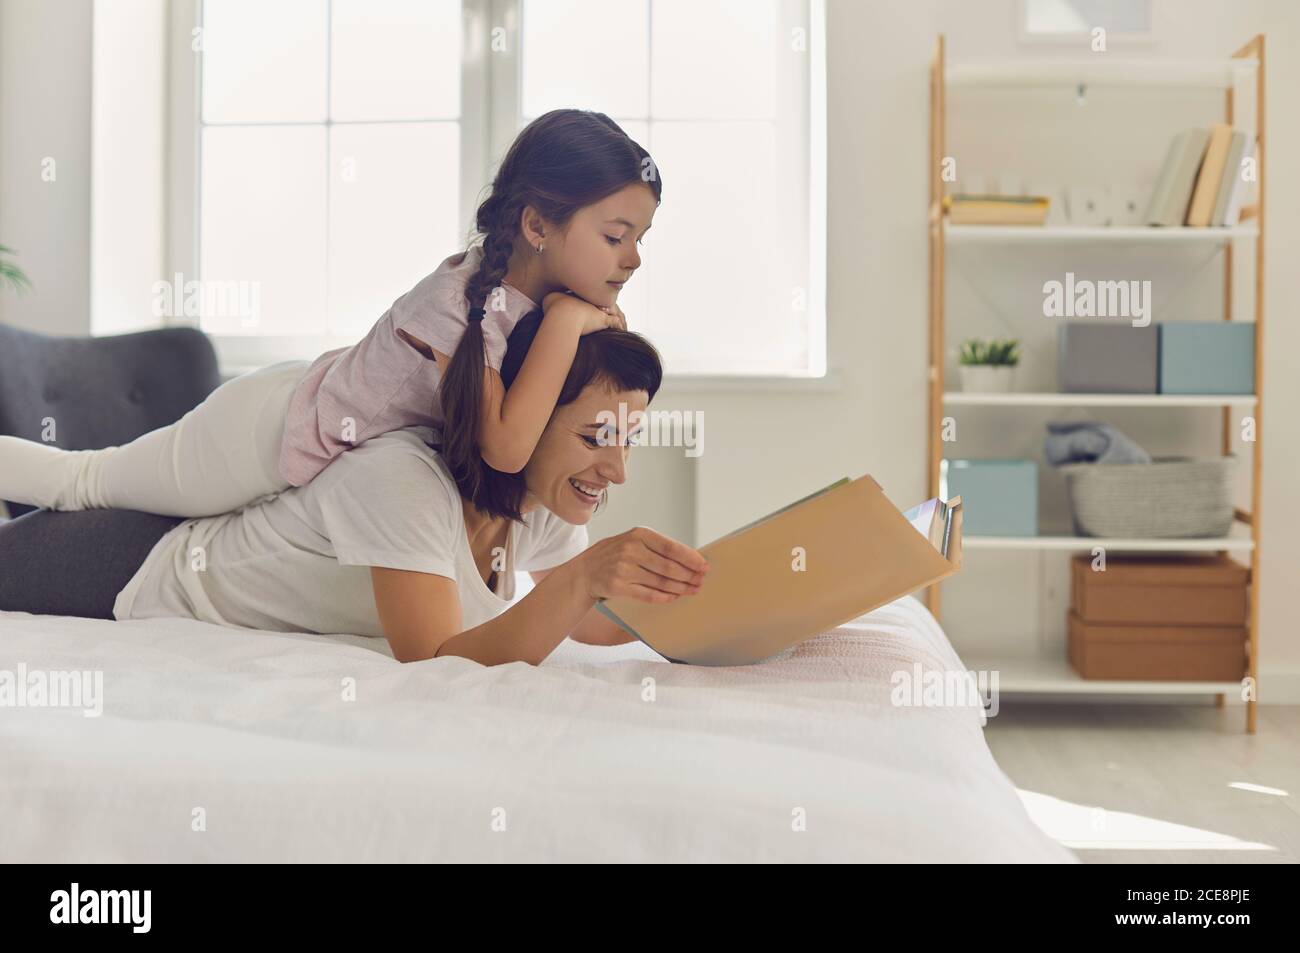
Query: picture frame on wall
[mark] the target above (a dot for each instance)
(1071, 22)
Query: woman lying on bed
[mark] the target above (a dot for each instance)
(385, 543)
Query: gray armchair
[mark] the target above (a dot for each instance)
(101, 392)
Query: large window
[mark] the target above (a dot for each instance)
(329, 160)
(344, 144)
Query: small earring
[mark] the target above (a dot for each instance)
(539, 248)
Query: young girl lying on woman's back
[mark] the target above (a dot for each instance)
(569, 204)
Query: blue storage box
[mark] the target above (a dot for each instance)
(1207, 357)
(998, 497)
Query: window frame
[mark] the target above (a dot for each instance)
(490, 105)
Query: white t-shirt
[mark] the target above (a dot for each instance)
(299, 562)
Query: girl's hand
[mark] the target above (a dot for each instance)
(590, 317)
(642, 564)
(618, 319)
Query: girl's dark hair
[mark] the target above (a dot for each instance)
(619, 360)
(561, 162)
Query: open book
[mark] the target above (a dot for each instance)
(808, 567)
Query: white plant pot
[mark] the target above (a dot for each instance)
(987, 378)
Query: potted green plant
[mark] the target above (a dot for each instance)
(11, 274)
(988, 366)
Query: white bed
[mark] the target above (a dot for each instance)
(250, 732)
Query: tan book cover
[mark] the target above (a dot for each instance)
(966, 209)
(810, 566)
(1207, 181)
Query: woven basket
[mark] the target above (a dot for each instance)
(1171, 497)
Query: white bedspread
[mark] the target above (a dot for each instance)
(231, 745)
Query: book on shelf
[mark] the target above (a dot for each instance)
(971, 209)
(1236, 181)
(816, 563)
(1229, 177)
(1201, 210)
(1201, 182)
(1173, 189)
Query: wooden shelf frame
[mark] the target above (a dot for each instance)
(1249, 56)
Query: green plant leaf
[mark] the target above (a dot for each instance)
(11, 274)
(995, 352)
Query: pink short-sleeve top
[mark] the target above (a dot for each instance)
(382, 383)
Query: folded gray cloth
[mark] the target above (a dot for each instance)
(1087, 441)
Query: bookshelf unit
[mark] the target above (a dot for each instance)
(1045, 673)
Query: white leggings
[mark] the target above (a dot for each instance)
(223, 454)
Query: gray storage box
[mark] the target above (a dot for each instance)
(1108, 358)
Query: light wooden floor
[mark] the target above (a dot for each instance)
(1162, 777)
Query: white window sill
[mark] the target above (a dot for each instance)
(832, 382)
(707, 383)
(240, 354)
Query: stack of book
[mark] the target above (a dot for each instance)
(967, 209)
(1203, 180)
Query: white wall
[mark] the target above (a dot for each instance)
(86, 91)
(45, 58)
(129, 163)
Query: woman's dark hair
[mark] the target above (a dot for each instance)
(619, 360)
(561, 162)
